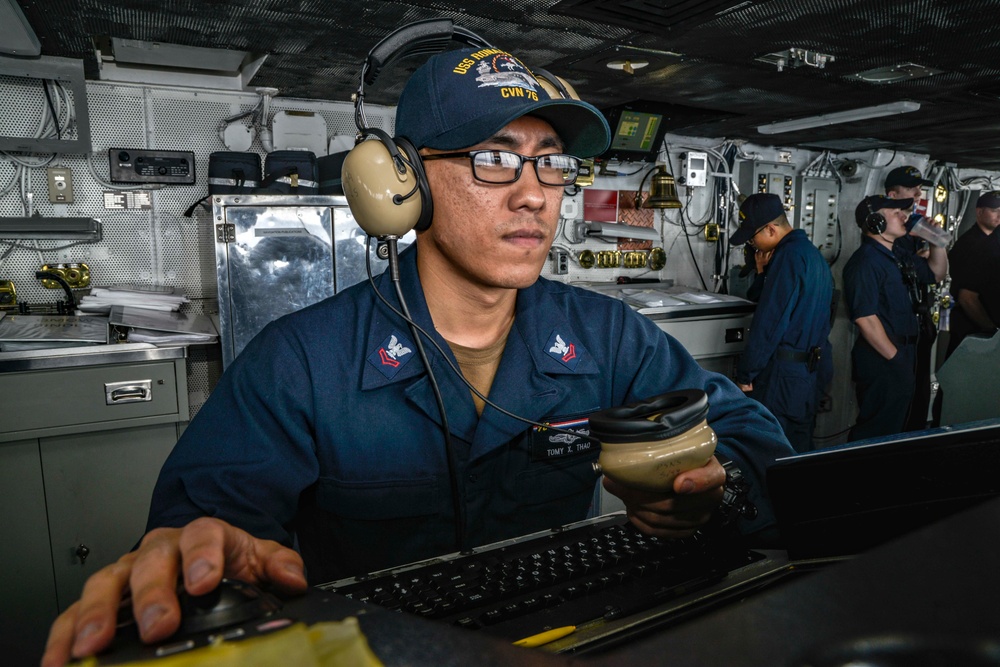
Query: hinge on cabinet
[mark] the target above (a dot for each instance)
(225, 233)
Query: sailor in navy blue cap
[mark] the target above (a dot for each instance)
(787, 362)
(906, 182)
(975, 274)
(881, 288)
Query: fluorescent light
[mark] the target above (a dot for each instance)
(864, 113)
(618, 230)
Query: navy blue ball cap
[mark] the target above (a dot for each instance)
(461, 98)
(872, 204)
(756, 211)
(989, 200)
(908, 177)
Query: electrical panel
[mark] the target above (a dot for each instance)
(818, 200)
(136, 165)
(777, 178)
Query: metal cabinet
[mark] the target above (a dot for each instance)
(78, 462)
(276, 254)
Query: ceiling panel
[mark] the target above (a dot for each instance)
(703, 56)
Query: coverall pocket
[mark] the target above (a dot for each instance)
(547, 482)
(791, 395)
(381, 500)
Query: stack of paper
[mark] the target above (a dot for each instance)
(150, 314)
(163, 328)
(151, 297)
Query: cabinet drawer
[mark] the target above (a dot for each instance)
(64, 397)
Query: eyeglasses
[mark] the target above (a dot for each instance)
(500, 167)
(759, 230)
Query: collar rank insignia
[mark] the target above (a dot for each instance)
(564, 351)
(391, 355)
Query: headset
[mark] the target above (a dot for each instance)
(874, 222)
(384, 179)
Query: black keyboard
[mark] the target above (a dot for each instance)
(603, 568)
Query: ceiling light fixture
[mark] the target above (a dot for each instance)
(896, 73)
(864, 113)
(796, 57)
(629, 66)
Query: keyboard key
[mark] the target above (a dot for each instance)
(492, 617)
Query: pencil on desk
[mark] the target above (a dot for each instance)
(546, 637)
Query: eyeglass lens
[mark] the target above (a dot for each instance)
(505, 167)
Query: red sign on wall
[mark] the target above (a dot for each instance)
(600, 205)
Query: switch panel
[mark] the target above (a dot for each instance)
(777, 178)
(60, 185)
(136, 165)
(818, 200)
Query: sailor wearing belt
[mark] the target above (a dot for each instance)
(882, 293)
(787, 360)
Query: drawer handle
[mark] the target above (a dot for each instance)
(128, 392)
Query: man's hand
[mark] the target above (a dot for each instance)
(762, 258)
(680, 513)
(205, 550)
(745, 388)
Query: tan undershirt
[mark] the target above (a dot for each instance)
(479, 366)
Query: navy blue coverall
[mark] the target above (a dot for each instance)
(324, 432)
(792, 319)
(874, 284)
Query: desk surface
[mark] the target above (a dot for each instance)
(933, 590)
(937, 587)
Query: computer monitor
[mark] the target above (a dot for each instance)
(637, 132)
(844, 500)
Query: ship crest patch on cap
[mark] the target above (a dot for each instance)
(498, 69)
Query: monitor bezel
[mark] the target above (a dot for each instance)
(614, 117)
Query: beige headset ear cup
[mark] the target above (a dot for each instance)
(554, 86)
(383, 200)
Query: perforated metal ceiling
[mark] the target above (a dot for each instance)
(703, 55)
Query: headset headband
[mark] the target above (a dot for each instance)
(419, 38)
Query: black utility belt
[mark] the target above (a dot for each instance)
(811, 356)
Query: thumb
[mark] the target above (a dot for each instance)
(699, 480)
(283, 567)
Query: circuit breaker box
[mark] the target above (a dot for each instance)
(778, 178)
(818, 199)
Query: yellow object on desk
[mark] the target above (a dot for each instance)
(545, 637)
(328, 644)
